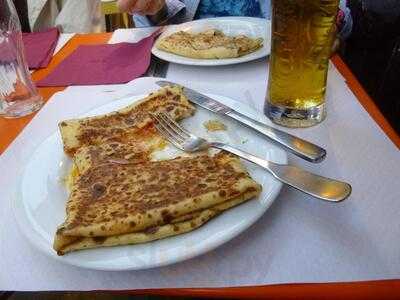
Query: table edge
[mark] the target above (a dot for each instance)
(376, 289)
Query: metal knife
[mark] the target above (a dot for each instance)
(297, 146)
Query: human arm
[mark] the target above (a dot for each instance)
(142, 7)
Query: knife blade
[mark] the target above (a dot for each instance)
(295, 145)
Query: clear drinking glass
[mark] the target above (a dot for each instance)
(18, 94)
(303, 32)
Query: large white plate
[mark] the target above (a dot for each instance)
(252, 27)
(40, 205)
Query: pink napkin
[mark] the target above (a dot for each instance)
(102, 64)
(39, 47)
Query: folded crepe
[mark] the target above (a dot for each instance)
(126, 125)
(118, 196)
(118, 204)
(209, 44)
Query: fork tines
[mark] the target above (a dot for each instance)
(170, 129)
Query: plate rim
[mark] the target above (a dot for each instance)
(177, 59)
(41, 245)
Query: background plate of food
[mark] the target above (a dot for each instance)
(215, 41)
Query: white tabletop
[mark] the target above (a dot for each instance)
(299, 239)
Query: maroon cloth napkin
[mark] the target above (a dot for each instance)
(102, 64)
(39, 47)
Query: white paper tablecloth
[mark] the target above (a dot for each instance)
(299, 239)
(62, 40)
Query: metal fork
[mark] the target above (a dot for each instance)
(309, 183)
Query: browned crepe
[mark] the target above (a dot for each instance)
(210, 44)
(177, 226)
(126, 125)
(114, 199)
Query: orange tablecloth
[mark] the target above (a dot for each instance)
(384, 289)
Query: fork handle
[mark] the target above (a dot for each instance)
(318, 186)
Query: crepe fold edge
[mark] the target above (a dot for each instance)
(163, 215)
(152, 233)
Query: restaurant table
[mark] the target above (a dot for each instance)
(368, 289)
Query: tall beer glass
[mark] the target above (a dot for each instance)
(303, 32)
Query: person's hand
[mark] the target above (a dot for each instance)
(142, 7)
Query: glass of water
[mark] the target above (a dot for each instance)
(18, 94)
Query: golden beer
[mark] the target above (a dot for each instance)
(303, 32)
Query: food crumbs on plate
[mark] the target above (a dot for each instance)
(214, 125)
(245, 141)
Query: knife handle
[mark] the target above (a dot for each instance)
(317, 186)
(297, 146)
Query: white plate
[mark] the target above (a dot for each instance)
(252, 27)
(40, 205)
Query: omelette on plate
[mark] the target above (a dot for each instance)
(119, 196)
(210, 44)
